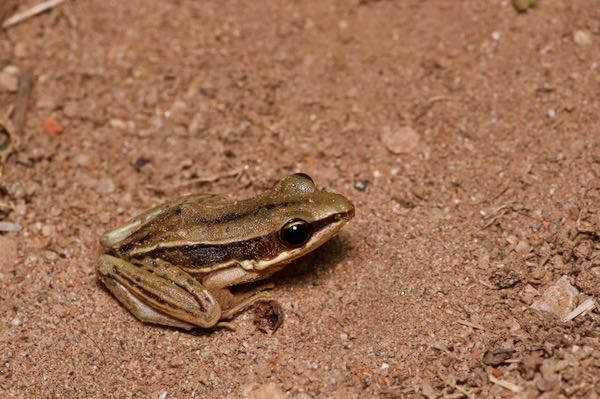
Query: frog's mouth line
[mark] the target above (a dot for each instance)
(324, 230)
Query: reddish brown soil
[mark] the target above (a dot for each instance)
(461, 222)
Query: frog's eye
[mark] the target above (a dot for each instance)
(295, 233)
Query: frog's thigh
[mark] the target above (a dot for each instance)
(157, 292)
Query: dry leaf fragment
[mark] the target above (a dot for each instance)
(268, 316)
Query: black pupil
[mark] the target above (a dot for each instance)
(295, 234)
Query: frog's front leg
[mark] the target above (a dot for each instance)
(219, 282)
(156, 291)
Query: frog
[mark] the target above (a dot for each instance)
(177, 264)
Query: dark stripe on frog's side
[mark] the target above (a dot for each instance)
(204, 255)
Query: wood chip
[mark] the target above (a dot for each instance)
(514, 388)
(586, 305)
(472, 325)
(402, 140)
(6, 226)
(32, 12)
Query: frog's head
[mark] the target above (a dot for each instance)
(302, 218)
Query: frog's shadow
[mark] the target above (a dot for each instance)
(314, 267)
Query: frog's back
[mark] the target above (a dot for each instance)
(148, 221)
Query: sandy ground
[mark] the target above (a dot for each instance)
(466, 134)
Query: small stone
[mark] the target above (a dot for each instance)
(558, 299)
(117, 123)
(82, 159)
(9, 78)
(71, 109)
(522, 247)
(47, 230)
(106, 186)
(402, 140)
(497, 356)
(504, 277)
(16, 322)
(361, 185)
(582, 37)
(496, 35)
(267, 391)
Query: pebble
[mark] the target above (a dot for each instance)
(582, 37)
(106, 186)
(400, 141)
(522, 247)
(558, 299)
(82, 159)
(117, 123)
(71, 109)
(255, 391)
(47, 231)
(361, 185)
(9, 78)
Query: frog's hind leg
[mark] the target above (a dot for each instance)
(157, 292)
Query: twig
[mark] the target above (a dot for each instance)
(497, 214)
(586, 305)
(96, 345)
(18, 116)
(514, 388)
(480, 281)
(32, 12)
(472, 325)
(428, 106)
(7, 129)
(451, 382)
